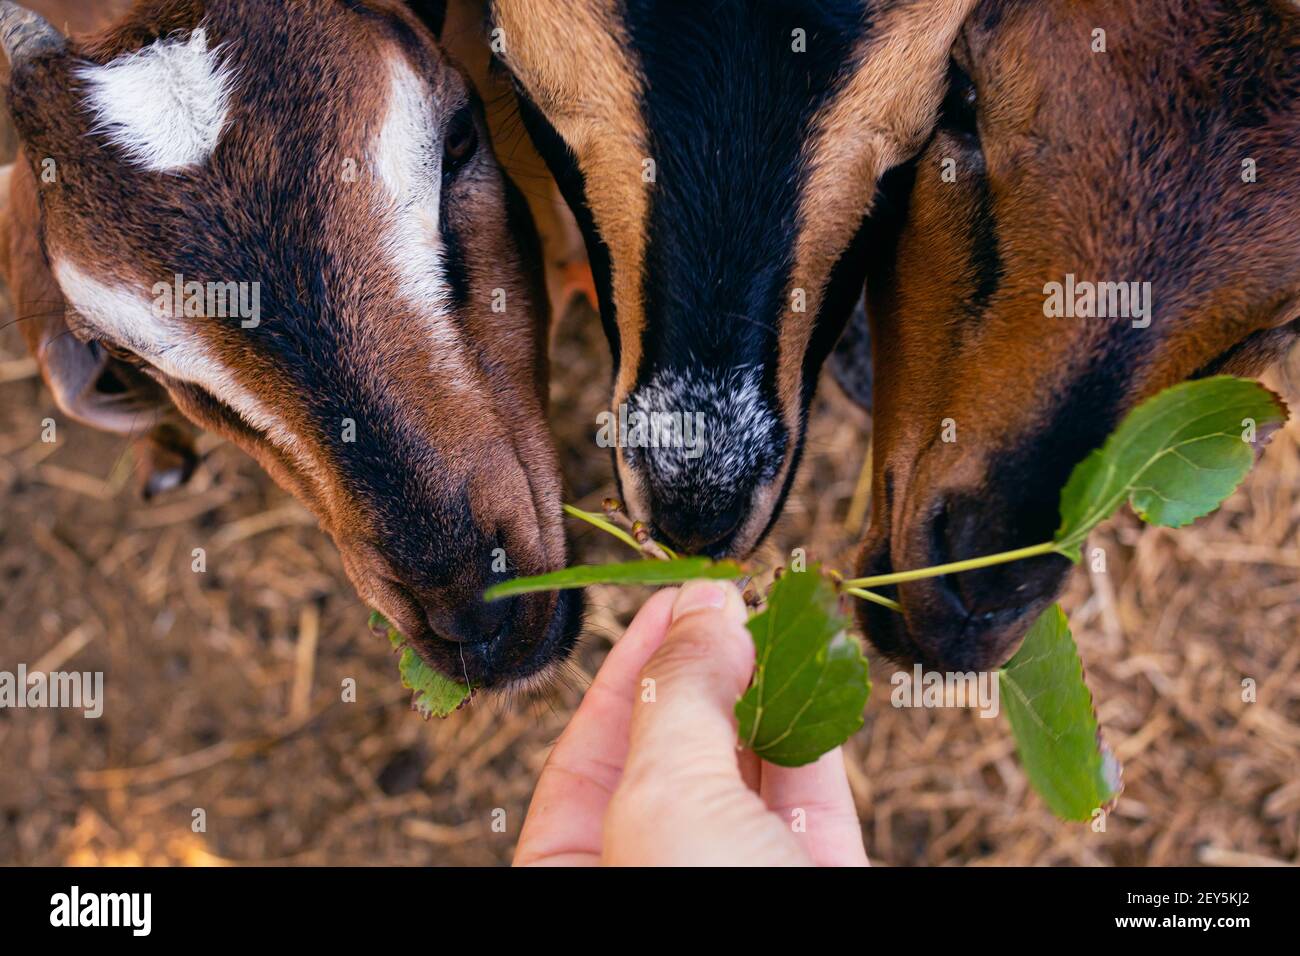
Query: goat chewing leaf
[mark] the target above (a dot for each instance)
(1054, 722)
(434, 695)
(650, 572)
(1175, 457)
(810, 678)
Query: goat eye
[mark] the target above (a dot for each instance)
(958, 113)
(459, 141)
(119, 354)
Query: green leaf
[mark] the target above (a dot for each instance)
(435, 695)
(810, 679)
(629, 572)
(1175, 457)
(1054, 723)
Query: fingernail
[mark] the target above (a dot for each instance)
(699, 596)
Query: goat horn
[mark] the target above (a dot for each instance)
(25, 34)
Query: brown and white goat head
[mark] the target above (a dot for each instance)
(286, 218)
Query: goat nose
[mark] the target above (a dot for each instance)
(967, 527)
(473, 621)
(708, 533)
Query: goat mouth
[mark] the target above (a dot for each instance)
(884, 627)
(513, 655)
(557, 643)
(935, 628)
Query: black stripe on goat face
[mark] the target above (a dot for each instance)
(729, 106)
(1046, 289)
(710, 427)
(727, 109)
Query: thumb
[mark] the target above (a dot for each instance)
(683, 723)
(682, 800)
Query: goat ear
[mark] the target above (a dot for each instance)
(432, 13)
(75, 371)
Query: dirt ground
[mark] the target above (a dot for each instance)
(223, 688)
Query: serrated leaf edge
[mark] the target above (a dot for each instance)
(1103, 748)
(1072, 547)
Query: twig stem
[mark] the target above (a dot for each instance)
(606, 526)
(970, 564)
(874, 598)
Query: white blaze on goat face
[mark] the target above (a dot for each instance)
(166, 105)
(407, 157)
(134, 322)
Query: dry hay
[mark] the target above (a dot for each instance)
(223, 688)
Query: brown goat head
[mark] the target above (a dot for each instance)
(1110, 206)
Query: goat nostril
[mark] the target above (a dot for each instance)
(965, 528)
(955, 533)
(696, 535)
(477, 622)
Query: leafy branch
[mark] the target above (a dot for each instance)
(1174, 458)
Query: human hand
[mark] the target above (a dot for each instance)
(648, 772)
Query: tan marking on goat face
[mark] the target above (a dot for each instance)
(578, 67)
(727, 103)
(394, 379)
(1123, 166)
(880, 117)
